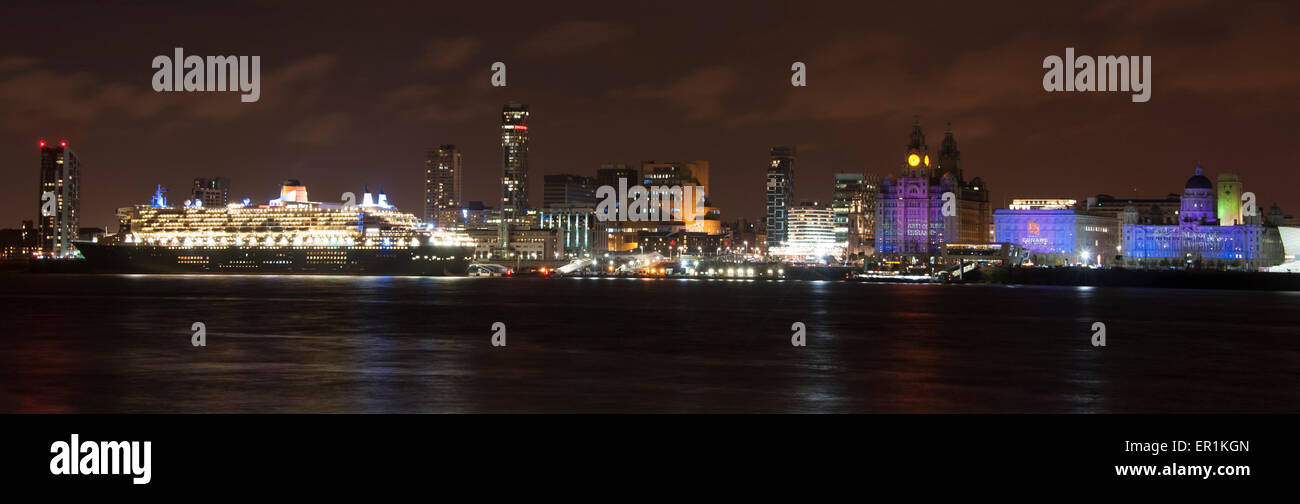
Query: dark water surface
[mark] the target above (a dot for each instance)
(86, 343)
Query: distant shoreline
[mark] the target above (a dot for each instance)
(1065, 276)
(1168, 279)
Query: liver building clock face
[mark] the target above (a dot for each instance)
(914, 160)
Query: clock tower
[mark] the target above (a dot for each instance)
(917, 158)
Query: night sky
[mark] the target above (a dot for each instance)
(356, 95)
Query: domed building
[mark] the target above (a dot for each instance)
(1200, 239)
(1198, 201)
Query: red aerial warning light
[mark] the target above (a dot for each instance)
(42, 144)
(63, 143)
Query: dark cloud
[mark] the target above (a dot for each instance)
(352, 96)
(11, 63)
(572, 36)
(699, 94)
(39, 96)
(448, 53)
(320, 130)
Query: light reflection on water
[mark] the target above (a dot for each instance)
(410, 344)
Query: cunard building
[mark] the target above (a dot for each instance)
(910, 217)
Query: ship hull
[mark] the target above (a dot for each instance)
(427, 260)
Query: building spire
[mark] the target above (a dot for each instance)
(949, 156)
(916, 143)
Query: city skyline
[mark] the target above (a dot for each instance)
(237, 232)
(327, 117)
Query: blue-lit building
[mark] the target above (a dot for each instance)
(1199, 240)
(1055, 232)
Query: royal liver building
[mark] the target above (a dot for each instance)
(910, 217)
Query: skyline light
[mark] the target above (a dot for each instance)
(328, 111)
(929, 216)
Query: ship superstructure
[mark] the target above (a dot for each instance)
(287, 234)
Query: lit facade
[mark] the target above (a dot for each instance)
(1058, 236)
(678, 213)
(853, 200)
(61, 180)
(698, 217)
(811, 233)
(909, 208)
(211, 192)
(1247, 245)
(20, 244)
(442, 186)
(522, 244)
(845, 198)
(1042, 204)
(1229, 206)
(476, 214)
(1148, 210)
(578, 227)
(1199, 240)
(780, 195)
(570, 191)
(616, 240)
(514, 150)
(610, 173)
(677, 243)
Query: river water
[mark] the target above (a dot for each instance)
(123, 343)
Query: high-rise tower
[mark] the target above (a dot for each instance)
(442, 176)
(780, 195)
(846, 199)
(211, 192)
(564, 190)
(60, 199)
(514, 148)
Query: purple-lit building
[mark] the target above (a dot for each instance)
(1058, 234)
(909, 209)
(1199, 240)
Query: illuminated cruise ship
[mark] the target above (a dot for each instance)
(287, 235)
